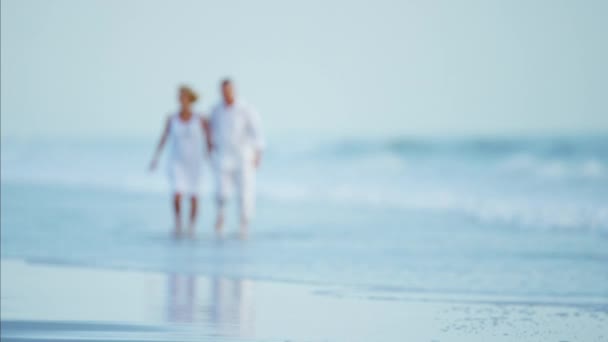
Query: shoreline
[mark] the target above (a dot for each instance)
(363, 291)
(49, 302)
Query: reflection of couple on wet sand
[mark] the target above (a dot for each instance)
(227, 305)
(233, 140)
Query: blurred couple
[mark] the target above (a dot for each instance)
(231, 137)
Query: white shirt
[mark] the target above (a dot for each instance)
(235, 133)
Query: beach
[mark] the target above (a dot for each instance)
(352, 241)
(303, 171)
(59, 303)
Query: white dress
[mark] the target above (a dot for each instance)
(186, 142)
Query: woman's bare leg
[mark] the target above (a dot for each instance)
(177, 199)
(193, 212)
(219, 222)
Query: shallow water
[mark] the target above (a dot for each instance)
(525, 218)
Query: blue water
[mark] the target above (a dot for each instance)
(523, 217)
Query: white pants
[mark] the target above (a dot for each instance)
(240, 178)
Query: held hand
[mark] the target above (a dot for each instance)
(257, 159)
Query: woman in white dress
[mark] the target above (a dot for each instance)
(186, 134)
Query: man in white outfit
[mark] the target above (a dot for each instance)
(236, 143)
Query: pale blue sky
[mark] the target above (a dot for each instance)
(328, 68)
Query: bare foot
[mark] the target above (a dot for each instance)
(219, 224)
(177, 233)
(191, 232)
(244, 232)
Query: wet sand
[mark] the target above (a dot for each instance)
(42, 302)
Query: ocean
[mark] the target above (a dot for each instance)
(523, 218)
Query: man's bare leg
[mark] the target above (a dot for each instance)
(245, 211)
(245, 188)
(177, 199)
(193, 212)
